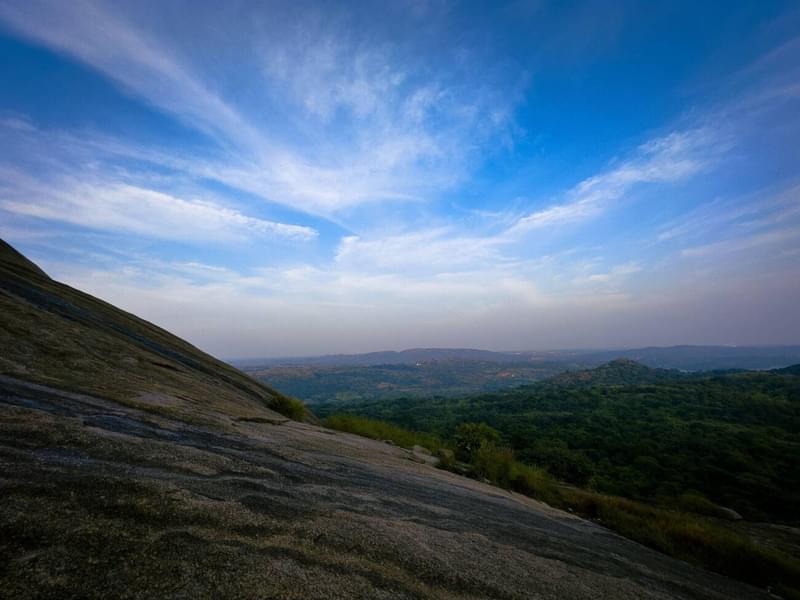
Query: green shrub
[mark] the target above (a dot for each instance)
(494, 464)
(535, 482)
(288, 407)
(471, 437)
(499, 467)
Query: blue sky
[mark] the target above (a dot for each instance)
(268, 178)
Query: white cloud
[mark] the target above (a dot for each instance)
(330, 75)
(666, 159)
(132, 209)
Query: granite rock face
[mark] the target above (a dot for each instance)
(102, 500)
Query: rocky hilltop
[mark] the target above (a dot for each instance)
(136, 466)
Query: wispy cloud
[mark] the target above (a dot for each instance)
(673, 157)
(132, 209)
(98, 34)
(750, 242)
(742, 214)
(334, 121)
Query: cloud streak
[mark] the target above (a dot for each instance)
(128, 208)
(668, 159)
(97, 34)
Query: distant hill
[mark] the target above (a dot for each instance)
(701, 358)
(686, 358)
(620, 371)
(387, 357)
(329, 385)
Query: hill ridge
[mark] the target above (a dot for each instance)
(619, 371)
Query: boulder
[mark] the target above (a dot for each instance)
(423, 455)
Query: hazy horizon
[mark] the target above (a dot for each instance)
(269, 180)
(502, 350)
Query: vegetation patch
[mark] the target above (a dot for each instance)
(380, 430)
(288, 407)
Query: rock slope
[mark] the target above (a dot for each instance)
(132, 465)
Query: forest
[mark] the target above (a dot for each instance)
(730, 439)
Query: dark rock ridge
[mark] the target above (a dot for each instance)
(135, 466)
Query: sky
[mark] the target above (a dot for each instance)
(293, 178)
